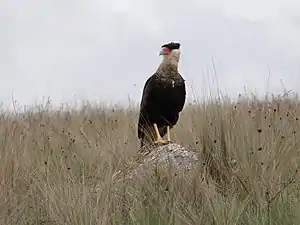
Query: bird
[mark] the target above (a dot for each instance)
(163, 98)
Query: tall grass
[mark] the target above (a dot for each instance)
(58, 166)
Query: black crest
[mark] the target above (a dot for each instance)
(171, 45)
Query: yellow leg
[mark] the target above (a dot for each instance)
(168, 134)
(158, 137)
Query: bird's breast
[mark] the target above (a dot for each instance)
(167, 82)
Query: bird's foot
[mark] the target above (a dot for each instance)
(160, 141)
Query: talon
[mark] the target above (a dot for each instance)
(160, 141)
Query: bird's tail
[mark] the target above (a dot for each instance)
(146, 133)
(147, 138)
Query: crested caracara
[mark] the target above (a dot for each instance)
(163, 98)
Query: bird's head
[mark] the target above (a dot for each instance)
(171, 51)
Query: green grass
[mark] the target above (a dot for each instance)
(57, 167)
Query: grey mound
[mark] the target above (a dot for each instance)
(150, 157)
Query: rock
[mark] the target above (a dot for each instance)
(207, 166)
(181, 158)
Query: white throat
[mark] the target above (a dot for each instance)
(173, 58)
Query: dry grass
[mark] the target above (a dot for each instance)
(57, 166)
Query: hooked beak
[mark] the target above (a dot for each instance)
(164, 51)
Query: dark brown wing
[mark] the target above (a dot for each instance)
(143, 121)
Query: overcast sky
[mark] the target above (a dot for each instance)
(106, 49)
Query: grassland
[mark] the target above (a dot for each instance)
(57, 166)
